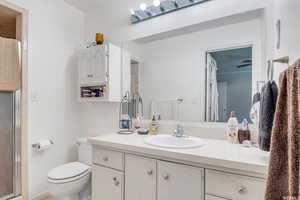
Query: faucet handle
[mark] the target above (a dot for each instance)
(180, 127)
(179, 132)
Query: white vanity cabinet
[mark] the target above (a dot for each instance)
(232, 186)
(107, 175)
(124, 176)
(149, 179)
(107, 183)
(140, 178)
(177, 182)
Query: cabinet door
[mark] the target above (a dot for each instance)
(232, 186)
(177, 182)
(107, 184)
(140, 178)
(10, 69)
(85, 66)
(93, 65)
(99, 68)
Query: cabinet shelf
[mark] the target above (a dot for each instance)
(92, 99)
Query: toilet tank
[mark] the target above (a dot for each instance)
(84, 151)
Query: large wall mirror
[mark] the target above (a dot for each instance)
(198, 75)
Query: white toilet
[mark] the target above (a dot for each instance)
(72, 181)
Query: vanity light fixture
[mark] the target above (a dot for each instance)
(156, 3)
(132, 12)
(160, 7)
(143, 6)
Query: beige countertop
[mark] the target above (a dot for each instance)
(218, 153)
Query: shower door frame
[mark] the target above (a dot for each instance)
(16, 136)
(22, 35)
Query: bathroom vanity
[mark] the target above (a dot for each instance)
(126, 168)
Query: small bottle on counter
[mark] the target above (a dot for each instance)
(153, 127)
(125, 121)
(244, 133)
(232, 128)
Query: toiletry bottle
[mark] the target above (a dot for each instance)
(244, 133)
(154, 125)
(232, 128)
(138, 122)
(125, 121)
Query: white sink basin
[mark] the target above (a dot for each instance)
(172, 142)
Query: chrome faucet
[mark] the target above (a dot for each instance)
(179, 131)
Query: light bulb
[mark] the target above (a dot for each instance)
(132, 12)
(143, 6)
(156, 3)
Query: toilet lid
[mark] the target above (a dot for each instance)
(67, 171)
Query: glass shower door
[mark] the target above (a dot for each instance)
(10, 146)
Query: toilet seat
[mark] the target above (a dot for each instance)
(68, 173)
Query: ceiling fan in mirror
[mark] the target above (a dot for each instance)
(245, 63)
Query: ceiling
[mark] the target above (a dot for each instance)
(229, 60)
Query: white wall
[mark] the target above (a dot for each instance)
(55, 31)
(175, 67)
(288, 13)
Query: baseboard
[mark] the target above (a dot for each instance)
(42, 196)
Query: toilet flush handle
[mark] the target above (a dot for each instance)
(116, 181)
(105, 158)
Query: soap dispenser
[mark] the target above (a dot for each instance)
(244, 132)
(232, 128)
(153, 127)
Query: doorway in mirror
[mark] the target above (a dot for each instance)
(228, 83)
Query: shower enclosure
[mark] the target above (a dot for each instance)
(13, 101)
(10, 145)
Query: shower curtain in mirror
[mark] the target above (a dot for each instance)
(212, 108)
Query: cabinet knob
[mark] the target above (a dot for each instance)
(242, 189)
(105, 158)
(116, 182)
(166, 176)
(90, 75)
(149, 172)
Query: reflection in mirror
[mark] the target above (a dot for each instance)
(229, 84)
(172, 75)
